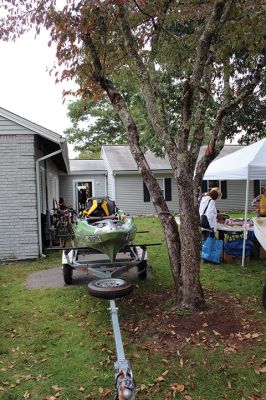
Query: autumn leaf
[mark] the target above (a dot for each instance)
(261, 370)
(56, 388)
(26, 395)
(105, 392)
(159, 379)
(178, 387)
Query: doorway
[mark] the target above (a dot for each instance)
(83, 192)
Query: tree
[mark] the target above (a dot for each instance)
(94, 124)
(209, 47)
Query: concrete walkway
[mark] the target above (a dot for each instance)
(53, 278)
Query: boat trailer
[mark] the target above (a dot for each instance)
(109, 287)
(98, 264)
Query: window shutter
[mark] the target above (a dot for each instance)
(168, 189)
(256, 188)
(204, 186)
(146, 194)
(224, 189)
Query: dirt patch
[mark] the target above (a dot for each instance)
(225, 321)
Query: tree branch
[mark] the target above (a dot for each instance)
(120, 106)
(151, 93)
(208, 35)
(217, 139)
(158, 26)
(200, 119)
(228, 106)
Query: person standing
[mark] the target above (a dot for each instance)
(260, 203)
(208, 207)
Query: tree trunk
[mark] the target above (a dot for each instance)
(171, 234)
(190, 292)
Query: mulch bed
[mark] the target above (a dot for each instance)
(225, 321)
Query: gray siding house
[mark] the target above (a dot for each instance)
(35, 170)
(85, 176)
(126, 186)
(29, 180)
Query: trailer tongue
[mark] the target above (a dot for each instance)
(111, 289)
(125, 388)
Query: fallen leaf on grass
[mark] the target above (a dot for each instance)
(26, 395)
(56, 388)
(178, 387)
(159, 379)
(104, 392)
(261, 370)
(142, 387)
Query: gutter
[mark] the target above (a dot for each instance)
(37, 165)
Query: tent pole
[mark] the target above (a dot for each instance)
(245, 224)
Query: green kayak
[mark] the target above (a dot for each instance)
(108, 235)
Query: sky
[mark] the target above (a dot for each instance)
(27, 89)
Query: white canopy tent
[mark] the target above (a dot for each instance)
(246, 164)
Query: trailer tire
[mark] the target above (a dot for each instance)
(110, 288)
(142, 269)
(264, 296)
(67, 274)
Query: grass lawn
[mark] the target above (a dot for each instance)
(58, 343)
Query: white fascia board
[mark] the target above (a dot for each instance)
(136, 172)
(105, 159)
(64, 147)
(73, 173)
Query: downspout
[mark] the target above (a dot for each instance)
(114, 187)
(106, 185)
(38, 196)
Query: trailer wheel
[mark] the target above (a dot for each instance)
(142, 269)
(264, 296)
(109, 288)
(67, 274)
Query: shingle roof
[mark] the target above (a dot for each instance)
(87, 165)
(121, 159)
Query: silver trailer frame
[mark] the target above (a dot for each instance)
(131, 256)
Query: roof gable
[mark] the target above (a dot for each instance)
(31, 126)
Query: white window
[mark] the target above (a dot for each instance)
(162, 185)
(213, 184)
